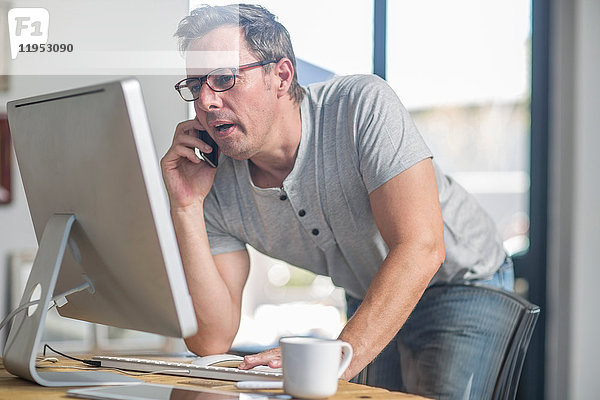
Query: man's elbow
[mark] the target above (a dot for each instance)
(436, 253)
(439, 250)
(438, 256)
(202, 346)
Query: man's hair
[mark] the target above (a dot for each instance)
(266, 37)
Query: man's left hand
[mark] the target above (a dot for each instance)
(271, 358)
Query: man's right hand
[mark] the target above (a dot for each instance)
(187, 178)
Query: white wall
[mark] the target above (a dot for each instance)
(108, 25)
(573, 347)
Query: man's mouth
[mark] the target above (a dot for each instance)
(223, 127)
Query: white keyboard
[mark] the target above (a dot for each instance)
(188, 369)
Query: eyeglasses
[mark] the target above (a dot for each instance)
(219, 80)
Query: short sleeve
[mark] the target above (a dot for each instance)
(219, 239)
(385, 135)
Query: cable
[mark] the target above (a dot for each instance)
(57, 301)
(46, 359)
(97, 365)
(18, 310)
(93, 363)
(22, 308)
(61, 299)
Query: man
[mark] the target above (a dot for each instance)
(335, 179)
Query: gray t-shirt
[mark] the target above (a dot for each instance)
(356, 135)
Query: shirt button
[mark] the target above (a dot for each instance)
(315, 232)
(302, 213)
(283, 197)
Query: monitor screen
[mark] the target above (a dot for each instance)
(88, 153)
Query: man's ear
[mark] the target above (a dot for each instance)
(284, 73)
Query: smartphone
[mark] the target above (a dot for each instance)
(211, 158)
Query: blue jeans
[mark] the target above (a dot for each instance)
(438, 352)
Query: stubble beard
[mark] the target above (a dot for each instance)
(241, 149)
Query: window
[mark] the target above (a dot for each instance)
(462, 68)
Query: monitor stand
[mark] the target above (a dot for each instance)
(25, 334)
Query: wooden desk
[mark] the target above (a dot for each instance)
(13, 388)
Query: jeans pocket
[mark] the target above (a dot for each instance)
(503, 278)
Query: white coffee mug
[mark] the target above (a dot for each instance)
(312, 367)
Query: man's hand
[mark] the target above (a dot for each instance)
(271, 358)
(187, 178)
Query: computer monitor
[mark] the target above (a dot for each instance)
(101, 217)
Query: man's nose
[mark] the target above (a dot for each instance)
(208, 98)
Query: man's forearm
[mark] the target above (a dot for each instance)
(217, 326)
(392, 295)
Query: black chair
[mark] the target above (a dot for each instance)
(510, 372)
(503, 379)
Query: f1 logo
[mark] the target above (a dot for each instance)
(27, 26)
